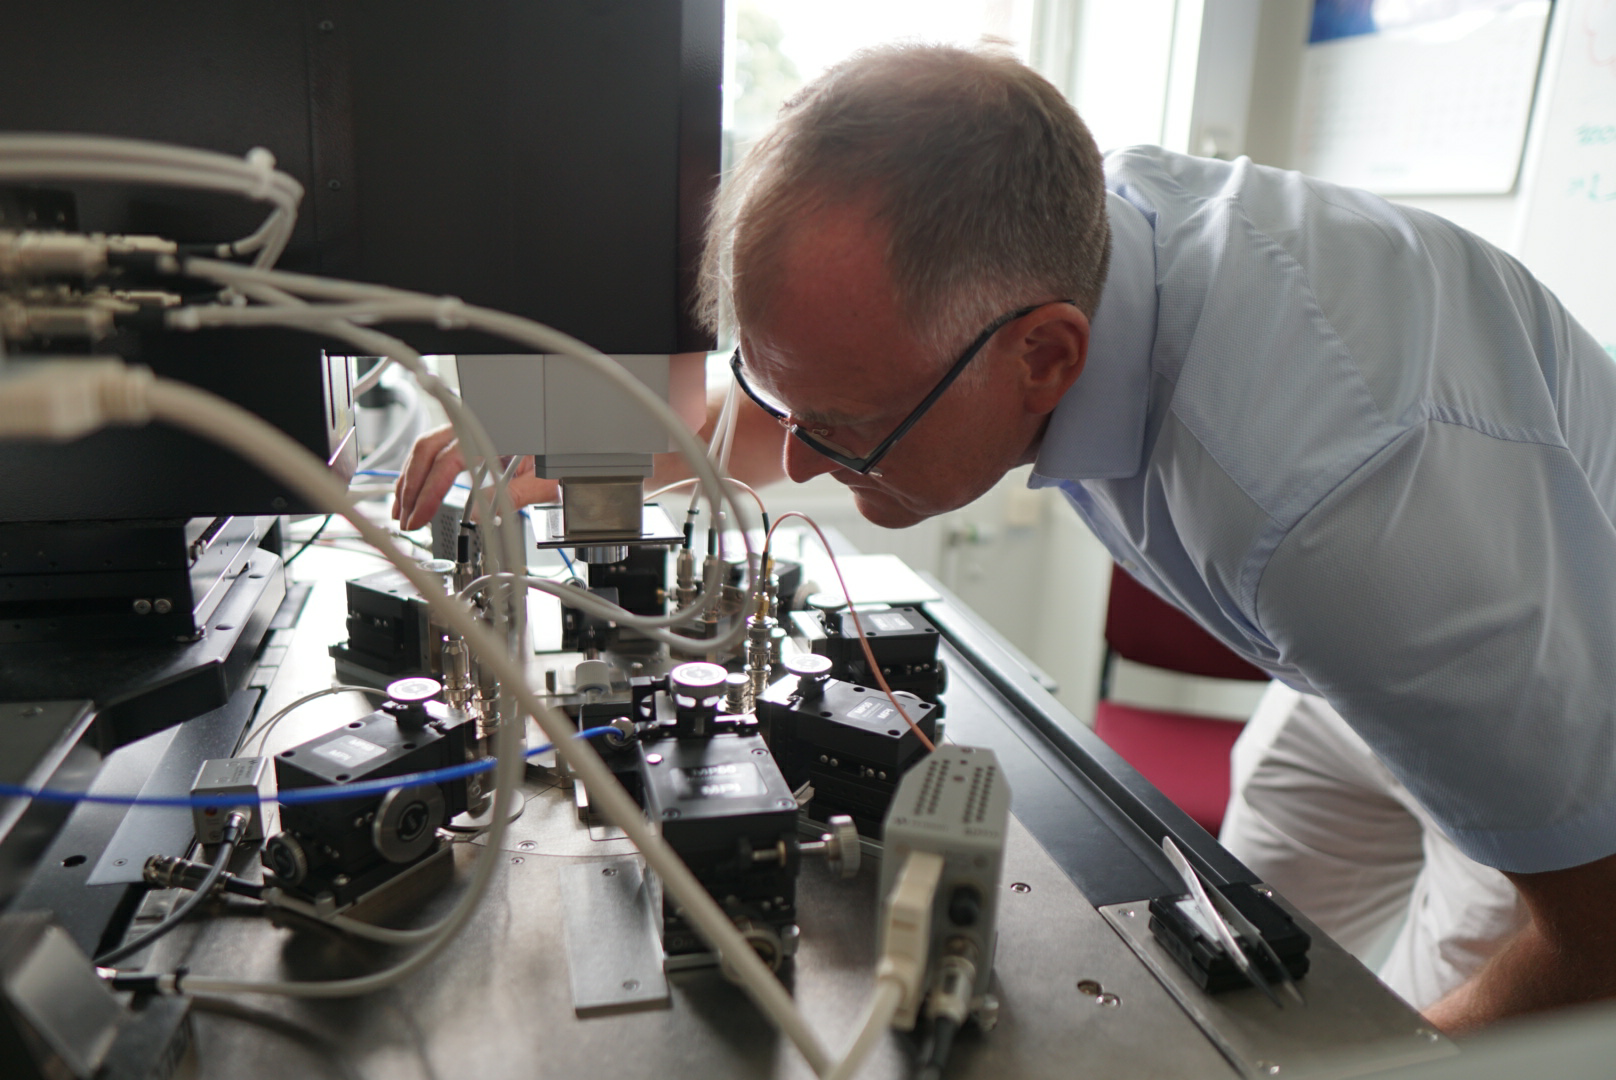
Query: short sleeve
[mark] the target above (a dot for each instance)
(1455, 600)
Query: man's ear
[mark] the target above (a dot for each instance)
(1054, 347)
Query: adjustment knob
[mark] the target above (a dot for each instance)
(701, 681)
(284, 857)
(842, 850)
(826, 603)
(416, 691)
(811, 670)
(407, 700)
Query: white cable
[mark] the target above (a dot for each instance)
(219, 420)
(225, 423)
(716, 442)
(385, 304)
(403, 431)
(651, 626)
(372, 377)
(134, 396)
(905, 950)
(728, 480)
(732, 399)
(261, 732)
(358, 928)
(507, 550)
(872, 1029)
(322, 318)
(106, 159)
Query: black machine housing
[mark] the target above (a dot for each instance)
(717, 800)
(847, 741)
(348, 847)
(903, 640)
(390, 632)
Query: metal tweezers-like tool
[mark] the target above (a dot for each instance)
(1231, 926)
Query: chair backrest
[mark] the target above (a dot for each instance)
(1142, 627)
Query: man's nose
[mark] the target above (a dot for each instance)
(803, 462)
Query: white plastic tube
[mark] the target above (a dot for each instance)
(229, 425)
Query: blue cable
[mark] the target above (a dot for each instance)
(563, 553)
(294, 797)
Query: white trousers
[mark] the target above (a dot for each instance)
(1315, 815)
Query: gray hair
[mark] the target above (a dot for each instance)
(990, 183)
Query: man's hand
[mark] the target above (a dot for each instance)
(435, 461)
(1565, 956)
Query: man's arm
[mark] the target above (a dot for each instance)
(1565, 955)
(435, 461)
(756, 457)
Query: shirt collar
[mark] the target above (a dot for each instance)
(1097, 432)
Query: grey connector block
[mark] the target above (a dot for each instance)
(229, 777)
(956, 803)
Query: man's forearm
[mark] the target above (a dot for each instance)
(754, 454)
(1566, 955)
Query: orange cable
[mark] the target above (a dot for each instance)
(858, 624)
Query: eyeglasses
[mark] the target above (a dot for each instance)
(865, 465)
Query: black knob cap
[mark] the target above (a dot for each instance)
(965, 906)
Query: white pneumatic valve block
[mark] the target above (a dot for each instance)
(955, 804)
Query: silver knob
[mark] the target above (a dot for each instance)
(414, 691)
(698, 680)
(826, 603)
(842, 850)
(811, 670)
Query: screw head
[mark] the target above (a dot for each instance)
(1020, 887)
(1108, 1000)
(526, 845)
(326, 25)
(119, 862)
(517, 860)
(671, 812)
(1267, 1068)
(1089, 988)
(608, 871)
(142, 607)
(653, 759)
(631, 984)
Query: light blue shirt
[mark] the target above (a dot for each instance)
(1369, 452)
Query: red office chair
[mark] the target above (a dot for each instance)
(1185, 756)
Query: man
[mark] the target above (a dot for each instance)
(1367, 451)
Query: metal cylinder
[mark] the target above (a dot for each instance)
(737, 693)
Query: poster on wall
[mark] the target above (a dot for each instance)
(1420, 97)
(1568, 230)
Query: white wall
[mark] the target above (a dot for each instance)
(1271, 123)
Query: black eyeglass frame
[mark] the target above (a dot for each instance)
(865, 465)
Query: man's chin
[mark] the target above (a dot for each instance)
(879, 508)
